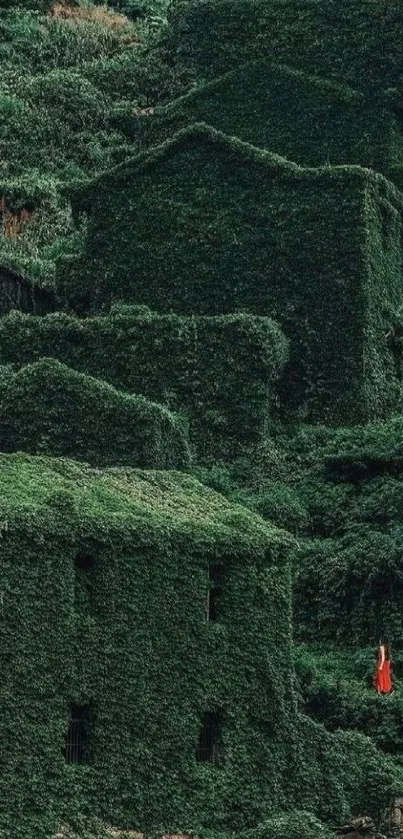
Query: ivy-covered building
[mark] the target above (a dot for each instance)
(245, 268)
(147, 660)
(309, 119)
(219, 375)
(48, 408)
(352, 41)
(145, 641)
(265, 238)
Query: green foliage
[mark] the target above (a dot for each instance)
(295, 825)
(62, 82)
(354, 41)
(360, 785)
(305, 118)
(227, 236)
(360, 453)
(32, 248)
(38, 43)
(136, 9)
(336, 687)
(122, 632)
(115, 639)
(331, 507)
(46, 408)
(265, 236)
(59, 112)
(117, 77)
(277, 503)
(351, 587)
(54, 118)
(343, 457)
(218, 373)
(36, 5)
(339, 490)
(55, 121)
(348, 575)
(67, 95)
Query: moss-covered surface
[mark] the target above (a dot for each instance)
(47, 408)
(218, 237)
(265, 235)
(130, 637)
(134, 644)
(308, 119)
(66, 68)
(220, 373)
(353, 41)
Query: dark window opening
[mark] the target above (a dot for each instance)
(215, 591)
(78, 738)
(84, 581)
(84, 562)
(389, 221)
(395, 346)
(209, 745)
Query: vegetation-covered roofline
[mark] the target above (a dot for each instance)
(342, 92)
(52, 370)
(56, 495)
(18, 273)
(81, 193)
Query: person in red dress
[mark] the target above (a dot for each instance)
(383, 674)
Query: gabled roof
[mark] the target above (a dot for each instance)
(198, 134)
(358, 40)
(101, 424)
(82, 193)
(335, 90)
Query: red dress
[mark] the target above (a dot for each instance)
(383, 681)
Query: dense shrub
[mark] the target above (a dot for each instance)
(54, 118)
(351, 587)
(277, 503)
(32, 43)
(68, 97)
(291, 825)
(36, 226)
(35, 5)
(294, 825)
(116, 76)
(136, 9)
(336, 688)
(59, 120)
(62, 77)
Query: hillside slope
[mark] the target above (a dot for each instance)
(236, 165)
